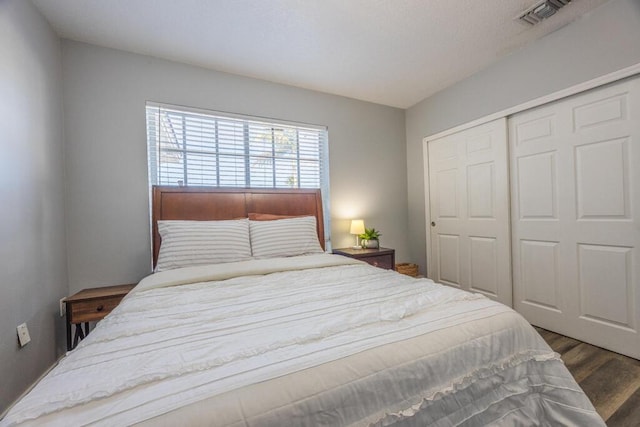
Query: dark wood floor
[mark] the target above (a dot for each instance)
(611, 381)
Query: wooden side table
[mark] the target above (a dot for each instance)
(383, 257)
(91, 305)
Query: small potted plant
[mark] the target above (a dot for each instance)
(370, 239)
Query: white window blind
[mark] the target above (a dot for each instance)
(206, 148)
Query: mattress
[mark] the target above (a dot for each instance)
(306, 341)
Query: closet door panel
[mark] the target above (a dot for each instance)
(484, 265)
(605, 284)
(537, 186)
(448, 250)
(539, 274)
(575, 168)
(469, 204)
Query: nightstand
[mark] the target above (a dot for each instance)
(383, 257)
(91, 305)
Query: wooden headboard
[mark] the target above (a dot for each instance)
(212, 203)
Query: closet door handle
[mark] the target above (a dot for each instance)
(433, 223)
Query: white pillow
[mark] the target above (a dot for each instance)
(284, 237)
(187, 243)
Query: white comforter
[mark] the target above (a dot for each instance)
(184, 337)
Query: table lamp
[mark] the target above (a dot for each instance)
(357, 228)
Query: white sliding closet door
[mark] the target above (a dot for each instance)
(575, 179)
(469, 199)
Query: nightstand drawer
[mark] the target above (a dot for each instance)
(382, 261)
(93, 310)
(91, 305)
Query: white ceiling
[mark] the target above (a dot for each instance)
(391, 52)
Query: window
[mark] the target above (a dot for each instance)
(190, 147)
(206, 148)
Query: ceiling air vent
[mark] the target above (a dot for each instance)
(542, 10)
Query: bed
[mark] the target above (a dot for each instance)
(290, 335)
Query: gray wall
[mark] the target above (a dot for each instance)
(606, 40)
(106, 160)
(32, 235)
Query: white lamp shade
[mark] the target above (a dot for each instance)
(357, 226)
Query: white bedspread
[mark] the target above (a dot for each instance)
(191, 335)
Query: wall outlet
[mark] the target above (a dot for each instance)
(63, 307)
(23, 334)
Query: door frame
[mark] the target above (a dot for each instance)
(615, 76)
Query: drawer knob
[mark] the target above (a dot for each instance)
(100, 307)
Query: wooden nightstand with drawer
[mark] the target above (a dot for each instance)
(383, 257)
(91, 305)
